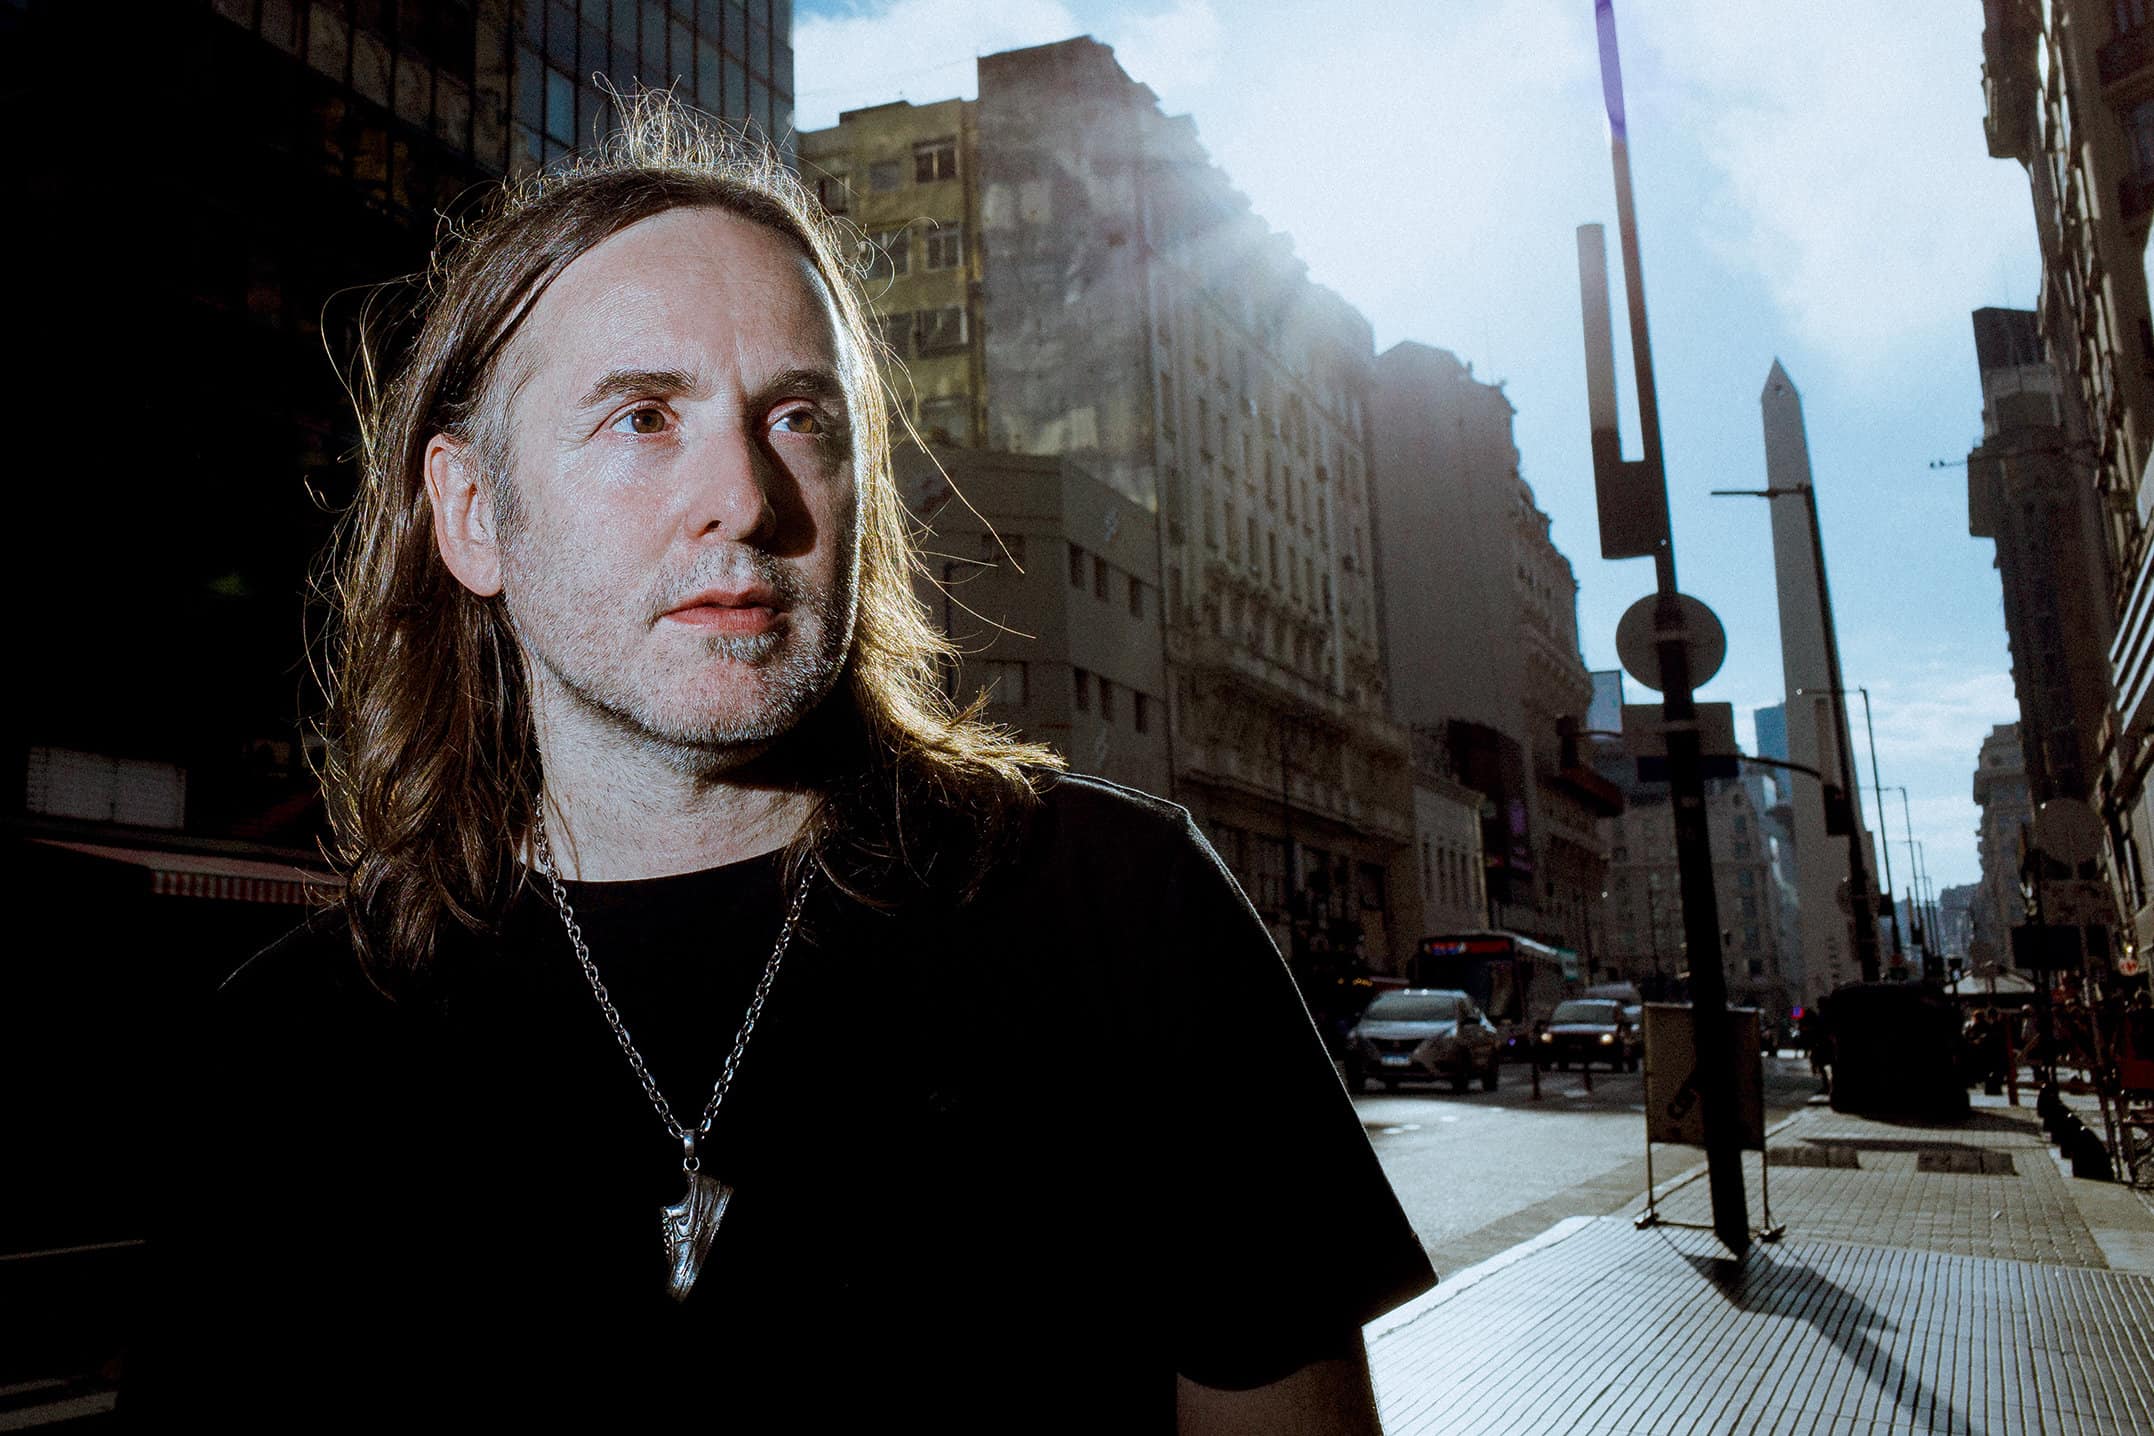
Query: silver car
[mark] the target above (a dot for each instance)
(1425, 1034)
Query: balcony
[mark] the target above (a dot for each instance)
(2131, 655)
(2010, 84)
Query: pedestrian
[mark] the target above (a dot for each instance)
(718, 1025)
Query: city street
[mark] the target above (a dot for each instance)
(1480, 1172)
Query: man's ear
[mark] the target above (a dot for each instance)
(464, 518)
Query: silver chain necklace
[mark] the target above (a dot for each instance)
(690, 1225)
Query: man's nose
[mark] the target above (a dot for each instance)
(731, 489)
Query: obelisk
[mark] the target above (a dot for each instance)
(1815, 740)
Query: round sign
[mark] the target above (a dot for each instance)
(1639, 632)
(2068, 831)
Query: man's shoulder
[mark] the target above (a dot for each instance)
(1088, 818)
(316, 964)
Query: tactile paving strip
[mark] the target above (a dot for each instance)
(1614, 1329)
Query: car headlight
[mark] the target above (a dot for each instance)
(1607, 1037)
(1548, 1036)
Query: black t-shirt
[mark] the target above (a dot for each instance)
(1004, 1164)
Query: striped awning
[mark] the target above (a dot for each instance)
(215, 875)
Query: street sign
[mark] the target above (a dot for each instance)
(1638, 635)
(2077, 902)
(1673, 1109)
(2068, 831)
(1645, 737)
(2048, 947)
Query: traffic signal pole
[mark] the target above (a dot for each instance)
(1633, 501)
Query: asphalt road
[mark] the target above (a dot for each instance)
(1480, 1172)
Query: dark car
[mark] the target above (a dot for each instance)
(1585, 1031)
(1422, 1033)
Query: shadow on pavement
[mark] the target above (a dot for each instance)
(1774, 1283)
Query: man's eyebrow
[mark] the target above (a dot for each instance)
(621, 383)
(822, 385)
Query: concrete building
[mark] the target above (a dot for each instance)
(1482, 638)
(1771, 792)
(1955, 915)
(1451, 894)
(2000, 790)
(1645, 941)
(1048, 581)
(1817, 734)
(2034, 494)
(1126, 310)
(906, 175)
(2069, 92)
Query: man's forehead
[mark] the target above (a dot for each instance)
(699, 269)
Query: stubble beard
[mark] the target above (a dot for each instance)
(662, 707)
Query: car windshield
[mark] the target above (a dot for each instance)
(1603, 1013)
(1413, 1007)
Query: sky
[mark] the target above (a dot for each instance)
(1812, 186)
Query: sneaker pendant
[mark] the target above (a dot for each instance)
(688, 1228)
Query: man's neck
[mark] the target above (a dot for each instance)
(621, 810)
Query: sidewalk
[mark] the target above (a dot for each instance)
(1947, 1278)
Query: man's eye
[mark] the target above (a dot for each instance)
(649, 419)
(800, 421)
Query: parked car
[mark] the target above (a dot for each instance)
(1587, 1030)
(1423, 1034)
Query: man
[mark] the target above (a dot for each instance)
(717, 1026)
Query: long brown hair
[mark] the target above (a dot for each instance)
(431, 767)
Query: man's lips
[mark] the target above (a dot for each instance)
(746, 610)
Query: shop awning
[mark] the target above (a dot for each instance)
(223, 876)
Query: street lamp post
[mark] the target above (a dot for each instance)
(1858, 873)
(1884, 844)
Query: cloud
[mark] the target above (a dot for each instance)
(919, 50)
(1185, 41)
(1940, 718)
(1843, 136)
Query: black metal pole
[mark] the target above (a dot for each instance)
(1712, 1037)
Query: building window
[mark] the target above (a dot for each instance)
(1003, 680)
(946, 419)
(883, 176)
(1081, 689)
(941, 330)
(1099, 577)
(945, 246)
(1106, 701)
(1076, 567)
(934, 160)
(1140, 712)
(895, 329)
(1136, 597)
(896, 245)
(1369, 887)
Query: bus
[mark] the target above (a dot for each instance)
(1515, 980)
